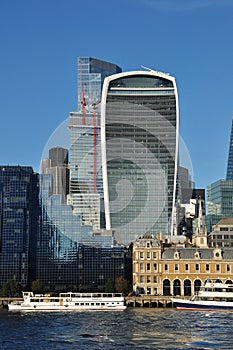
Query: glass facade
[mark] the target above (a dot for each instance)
(19, 218)
(59, 238)
(139, 154)
(97, 265)
(91, 75)
(230, 157)
(220, 202)
(85, 152)
(220, 198)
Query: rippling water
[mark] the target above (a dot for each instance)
(135, 328)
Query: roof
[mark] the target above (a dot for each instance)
(189, 253)
(225, 221)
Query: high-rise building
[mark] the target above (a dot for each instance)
(86, 188)
(230, 156)
(19, 223)
(139, 139)
(61, 232)
(220, 202)
(57, 166)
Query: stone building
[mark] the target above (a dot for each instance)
(222, 234)
(159, 268)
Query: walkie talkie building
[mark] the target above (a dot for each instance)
(139, 143)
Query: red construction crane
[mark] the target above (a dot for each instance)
(94, 143)
(83, 101)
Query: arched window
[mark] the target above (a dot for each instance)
(166, 287)
(176, 287)
(197, 285)
(229, 282)
(187, 287)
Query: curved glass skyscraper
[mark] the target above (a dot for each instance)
(139, 143)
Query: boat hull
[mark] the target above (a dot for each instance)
(59, 308)
(181, 304)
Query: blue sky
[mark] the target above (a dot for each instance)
(190, 39)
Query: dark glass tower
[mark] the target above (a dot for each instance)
(230, 156)
(19, 217)
(139, 139)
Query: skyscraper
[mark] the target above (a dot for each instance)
(86, 188)
(57, 166)
(139, 138)
(230, 156)
(19, 223)
(220, 202)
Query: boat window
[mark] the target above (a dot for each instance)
(96, 295)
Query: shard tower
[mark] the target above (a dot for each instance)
(230, 156)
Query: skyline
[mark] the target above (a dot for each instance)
(41, 42)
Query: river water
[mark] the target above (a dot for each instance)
(134, 328)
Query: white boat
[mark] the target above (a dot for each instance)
(215, 295)
(69, 301)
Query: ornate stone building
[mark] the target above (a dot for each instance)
(176, 270)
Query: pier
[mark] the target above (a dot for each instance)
(149, 301)
(5, 301)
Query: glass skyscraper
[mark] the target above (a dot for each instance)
(220, 202)
(139, 138)
(86, 187)
(230, 156)
(19, 224)
(61, 232)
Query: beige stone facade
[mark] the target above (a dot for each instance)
(167, 270)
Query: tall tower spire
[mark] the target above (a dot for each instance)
(200, 237)
(230, 156)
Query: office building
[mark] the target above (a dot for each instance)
(230, 156)
(97, 265)
(57, 166)
(220, 202)
(222, 234)
(139, 139)
(19, 223)
(61, 233)
(86, 186)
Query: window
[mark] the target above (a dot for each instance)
(141, 255)
(155, 267)
(148, 244)
(148, 255)
(166, 267)
(148, 266)
(155, 279)
(148, 279)
(176, 267)
(154, 255)
(141, 267)
(207, 267)
(228, 268)
(197, 267)
(218, 267)
(141, 279)
(186, 267)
